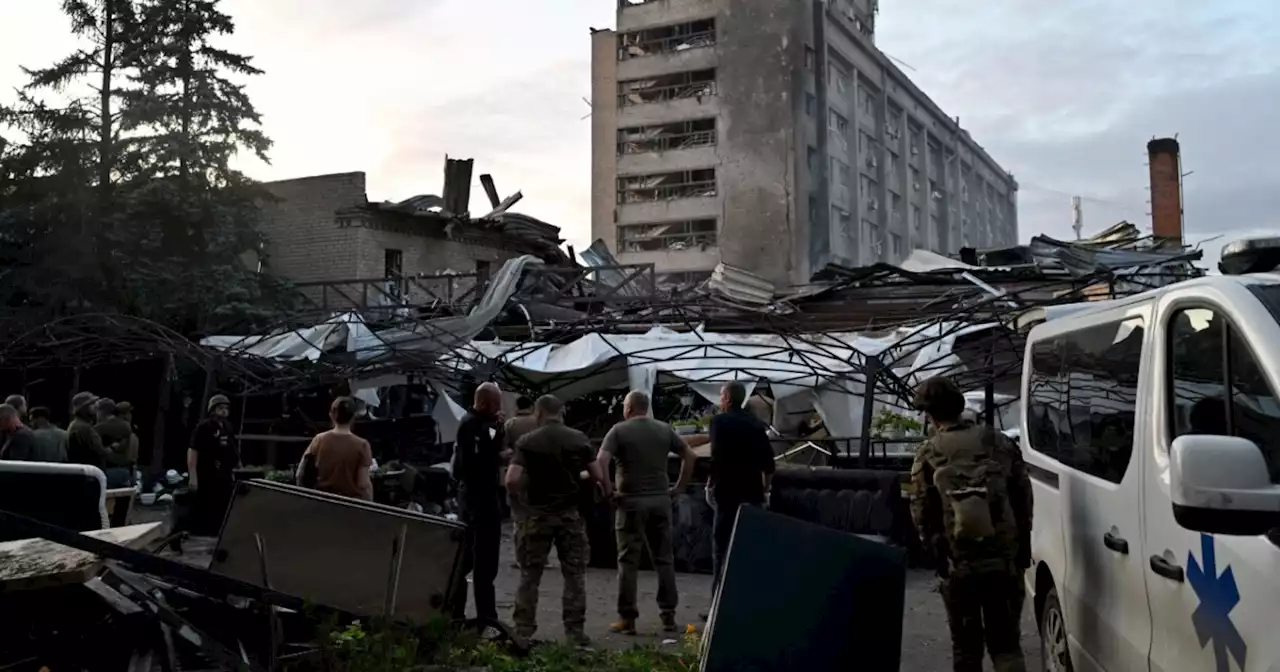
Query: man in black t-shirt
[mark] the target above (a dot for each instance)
(211, 463)
(741, 467)
(477, 461)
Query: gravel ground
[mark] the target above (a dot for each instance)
(926, 645)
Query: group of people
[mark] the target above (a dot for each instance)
(548, 468)
(101, 434)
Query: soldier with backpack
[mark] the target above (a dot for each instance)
(971, 503)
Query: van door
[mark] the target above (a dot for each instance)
(1213, 597)
(1105, 598)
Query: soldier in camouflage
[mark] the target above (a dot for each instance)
(548, 460)
(971, 503)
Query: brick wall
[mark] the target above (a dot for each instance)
(304, 241)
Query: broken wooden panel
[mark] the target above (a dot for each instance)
(364, 558)
(667, 186)
(667, 39)
(675, 86)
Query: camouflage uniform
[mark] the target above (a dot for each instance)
(971, 503)
(552, 456)
(568, 534)
(515, 429)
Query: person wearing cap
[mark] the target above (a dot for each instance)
(114, 430)
(211, 462)
(84, 445)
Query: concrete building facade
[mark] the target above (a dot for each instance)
(774, 136)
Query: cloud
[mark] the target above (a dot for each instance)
(1066, 97)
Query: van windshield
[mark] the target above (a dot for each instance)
(1218, 384)
(1269, 295)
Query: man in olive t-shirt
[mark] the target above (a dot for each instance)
(548, 460)
(643, 446)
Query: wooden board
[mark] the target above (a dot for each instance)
(29, 564)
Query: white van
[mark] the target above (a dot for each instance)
(1156, 540)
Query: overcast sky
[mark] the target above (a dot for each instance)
(1065, 95)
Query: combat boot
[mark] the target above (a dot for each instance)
(577, 638)
(626, 626)
(669, 623)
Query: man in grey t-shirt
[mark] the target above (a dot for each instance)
(642, 446)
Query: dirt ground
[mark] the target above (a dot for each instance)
(926, 644)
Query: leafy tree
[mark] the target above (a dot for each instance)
(128, 175)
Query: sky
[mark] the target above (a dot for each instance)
(1064, 95)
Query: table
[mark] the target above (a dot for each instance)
(117, 497)
(30, 564)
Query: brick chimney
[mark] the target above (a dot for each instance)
(1166, 191)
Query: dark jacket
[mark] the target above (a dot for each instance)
(741, 455)
(477, 459)
(22, 445)
(84, 446)
(116, 435)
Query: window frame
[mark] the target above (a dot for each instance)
(1062, 377)
(1230, 328)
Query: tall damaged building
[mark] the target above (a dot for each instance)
(773, 136)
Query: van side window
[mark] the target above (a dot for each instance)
(1198, 399)
(1082, 397)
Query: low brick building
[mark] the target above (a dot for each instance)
(323, 229)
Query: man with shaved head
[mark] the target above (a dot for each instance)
(477, 463)
(643, 446)
(546, 468)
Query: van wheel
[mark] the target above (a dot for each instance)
(1054, 655)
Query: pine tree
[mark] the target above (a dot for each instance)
(61, 155)
(188, 119)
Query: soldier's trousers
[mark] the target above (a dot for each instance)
(638, 524)
(980, 610)
(566, 532)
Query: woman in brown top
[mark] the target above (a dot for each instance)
(341, 459)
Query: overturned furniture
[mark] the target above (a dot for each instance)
(367, 559)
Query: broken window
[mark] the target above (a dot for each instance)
(666, 137)
(839, 127)
(676, 86)
(392, 263)
(667, 186)
(667, 39)
(679, 235)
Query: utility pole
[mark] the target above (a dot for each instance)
(1077, 216)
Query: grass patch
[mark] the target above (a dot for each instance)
(358, 647)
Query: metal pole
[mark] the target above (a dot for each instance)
(871, 372)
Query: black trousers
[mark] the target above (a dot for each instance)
(481, 548)
(726, 514)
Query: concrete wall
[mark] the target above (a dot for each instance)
(604, 136)
(758, 95)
